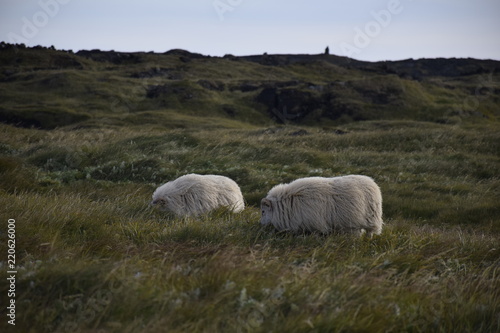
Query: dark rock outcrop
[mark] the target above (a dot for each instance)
(117, 58)
(287, 104)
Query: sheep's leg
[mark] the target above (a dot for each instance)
(359, 232)
(375, 229)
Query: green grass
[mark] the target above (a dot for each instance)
(92, 255)
(169, 90)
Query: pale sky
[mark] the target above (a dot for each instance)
(362, 29)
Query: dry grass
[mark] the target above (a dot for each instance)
(93, 256)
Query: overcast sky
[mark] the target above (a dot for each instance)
(362, 29)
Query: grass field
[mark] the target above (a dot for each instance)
(92, 255)
(86, 139)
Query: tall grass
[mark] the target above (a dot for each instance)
(92, 255)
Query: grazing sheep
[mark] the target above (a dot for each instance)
(346, 204)
(193, 194)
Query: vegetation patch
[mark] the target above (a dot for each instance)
(93, 255)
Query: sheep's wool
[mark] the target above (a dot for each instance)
(193, 194)
(347, 204)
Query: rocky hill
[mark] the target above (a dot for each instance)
(47, 88)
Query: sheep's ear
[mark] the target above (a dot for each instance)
(265, 203)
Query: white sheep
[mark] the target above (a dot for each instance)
(193, 195)
(346, 204)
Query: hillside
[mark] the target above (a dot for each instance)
(86, 138)
(47, 88)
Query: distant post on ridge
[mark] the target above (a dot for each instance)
(327, 50)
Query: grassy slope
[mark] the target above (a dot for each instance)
(36, 85)
(92, 255)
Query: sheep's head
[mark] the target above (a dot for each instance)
(266, 208)
(160, 203)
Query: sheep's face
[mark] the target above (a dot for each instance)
(160, 204)
(267, 210)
